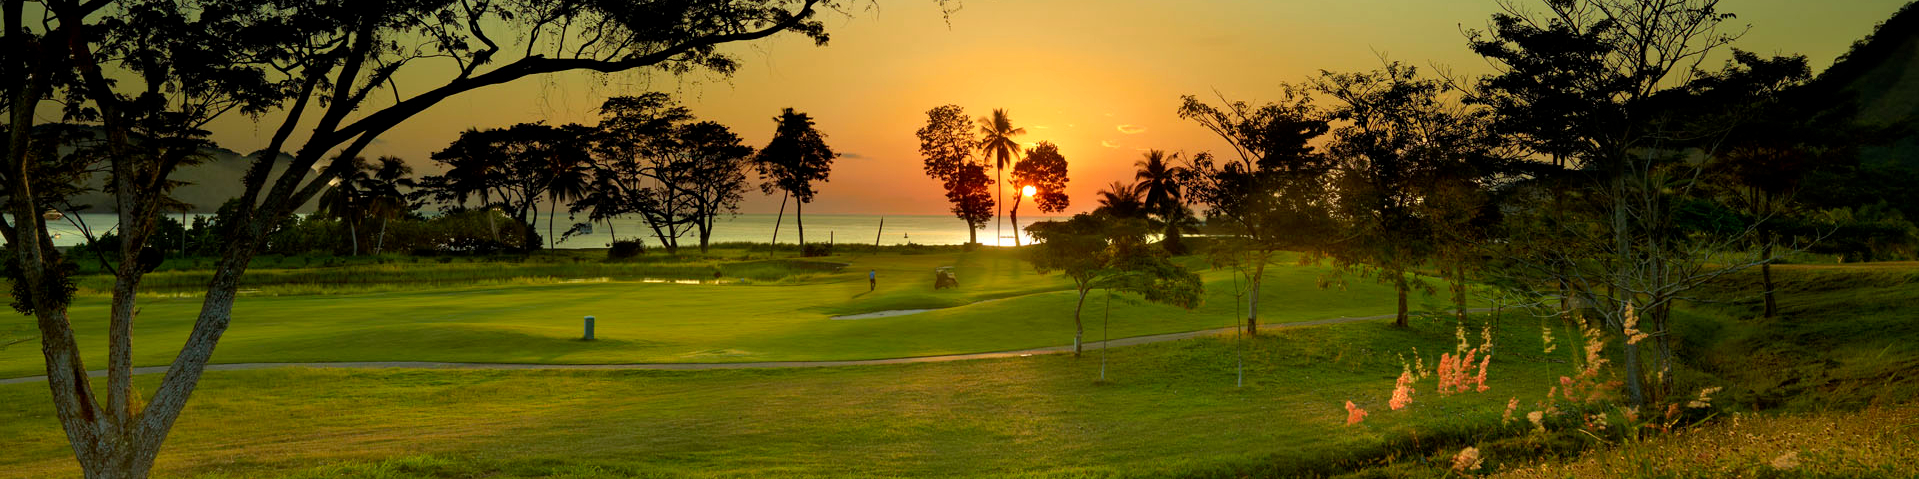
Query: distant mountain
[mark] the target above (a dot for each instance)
(1880, 76)
(209, 184)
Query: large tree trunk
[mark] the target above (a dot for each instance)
(379, 243)
(552, 211)
(799, 220)
(1399, 289)
(706, 231)
(353, 236)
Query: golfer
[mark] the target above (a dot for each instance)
(872, 279)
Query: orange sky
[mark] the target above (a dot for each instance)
(1100, 78)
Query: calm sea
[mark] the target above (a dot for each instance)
(758, 228)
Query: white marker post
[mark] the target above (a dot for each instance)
(589, 329)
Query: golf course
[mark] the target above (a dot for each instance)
(1044, 239)
(1164, 408)
(785, 315)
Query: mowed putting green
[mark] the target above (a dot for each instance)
(1002, 304)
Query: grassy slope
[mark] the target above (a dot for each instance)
(1876, 442)
(652, 322)
(1171, 409)
(1846, 336)
(1831, 377)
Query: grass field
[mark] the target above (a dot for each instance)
(783, 316)
(1843, 342)
(1170, 408)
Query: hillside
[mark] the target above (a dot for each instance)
(208, 184)
(1880, 76)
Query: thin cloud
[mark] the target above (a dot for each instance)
(1131, 129)
(1040, 127)
(1108, 144)
(852, 156)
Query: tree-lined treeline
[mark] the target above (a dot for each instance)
(1607, 166)
(649, 157)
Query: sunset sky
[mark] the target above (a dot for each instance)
(1100, 78)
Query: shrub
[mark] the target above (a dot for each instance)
(625, 249)
(816, 249)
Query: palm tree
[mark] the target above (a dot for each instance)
(1159, 182)
(475, 168)
(1122, 200)
(384, 200)
(344, 197)
(569, 174)
(996, 142)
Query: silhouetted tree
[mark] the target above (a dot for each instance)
(345, 200)
(1785, 135)
(1271, 198)
(568, 173)
(383, 197)
(1159, 181)
(714, 163)
(678, 174)
(1099, 251)
(947, 144)
(1122, 200)
(795, 158)
(1044, 169)
(996, 144)
(1597, 81)
(509, 168)
(1397, 136)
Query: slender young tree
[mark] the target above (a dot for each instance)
(996, 143)
(1098, 251)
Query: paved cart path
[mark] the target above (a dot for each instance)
(755, 365)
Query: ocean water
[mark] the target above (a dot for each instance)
(757, 228)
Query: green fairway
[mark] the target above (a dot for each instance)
(1169, 409)
(782, 317)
